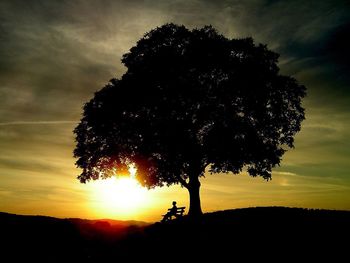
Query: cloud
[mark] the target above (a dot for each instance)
(35, 122)
(55, 54)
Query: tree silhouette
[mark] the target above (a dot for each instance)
(190, 100)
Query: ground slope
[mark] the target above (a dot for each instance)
(252, 233)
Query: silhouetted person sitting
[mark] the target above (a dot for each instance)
(172, 212)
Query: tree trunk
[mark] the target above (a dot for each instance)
(195, 201)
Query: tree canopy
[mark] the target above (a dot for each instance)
(190, 100)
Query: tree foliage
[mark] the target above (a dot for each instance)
(190, 99)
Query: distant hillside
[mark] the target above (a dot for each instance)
(265, 232)
(47, 238)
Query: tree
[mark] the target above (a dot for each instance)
(190, 100)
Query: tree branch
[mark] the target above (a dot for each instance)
(182, 181)
(204, 166)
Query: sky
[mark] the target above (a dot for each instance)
(55, 54)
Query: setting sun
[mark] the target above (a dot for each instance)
(119, 195)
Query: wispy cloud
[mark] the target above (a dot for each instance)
(35, 123)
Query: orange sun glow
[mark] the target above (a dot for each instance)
(120, 196)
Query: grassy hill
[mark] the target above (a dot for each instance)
(265, 233)
(49, 239)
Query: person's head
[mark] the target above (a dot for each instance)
(174, 202)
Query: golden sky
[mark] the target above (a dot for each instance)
(56, 54)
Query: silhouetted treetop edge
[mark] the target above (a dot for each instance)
(190, 99)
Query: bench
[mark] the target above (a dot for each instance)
(179, 213)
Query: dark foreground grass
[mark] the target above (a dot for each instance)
(240, 235)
